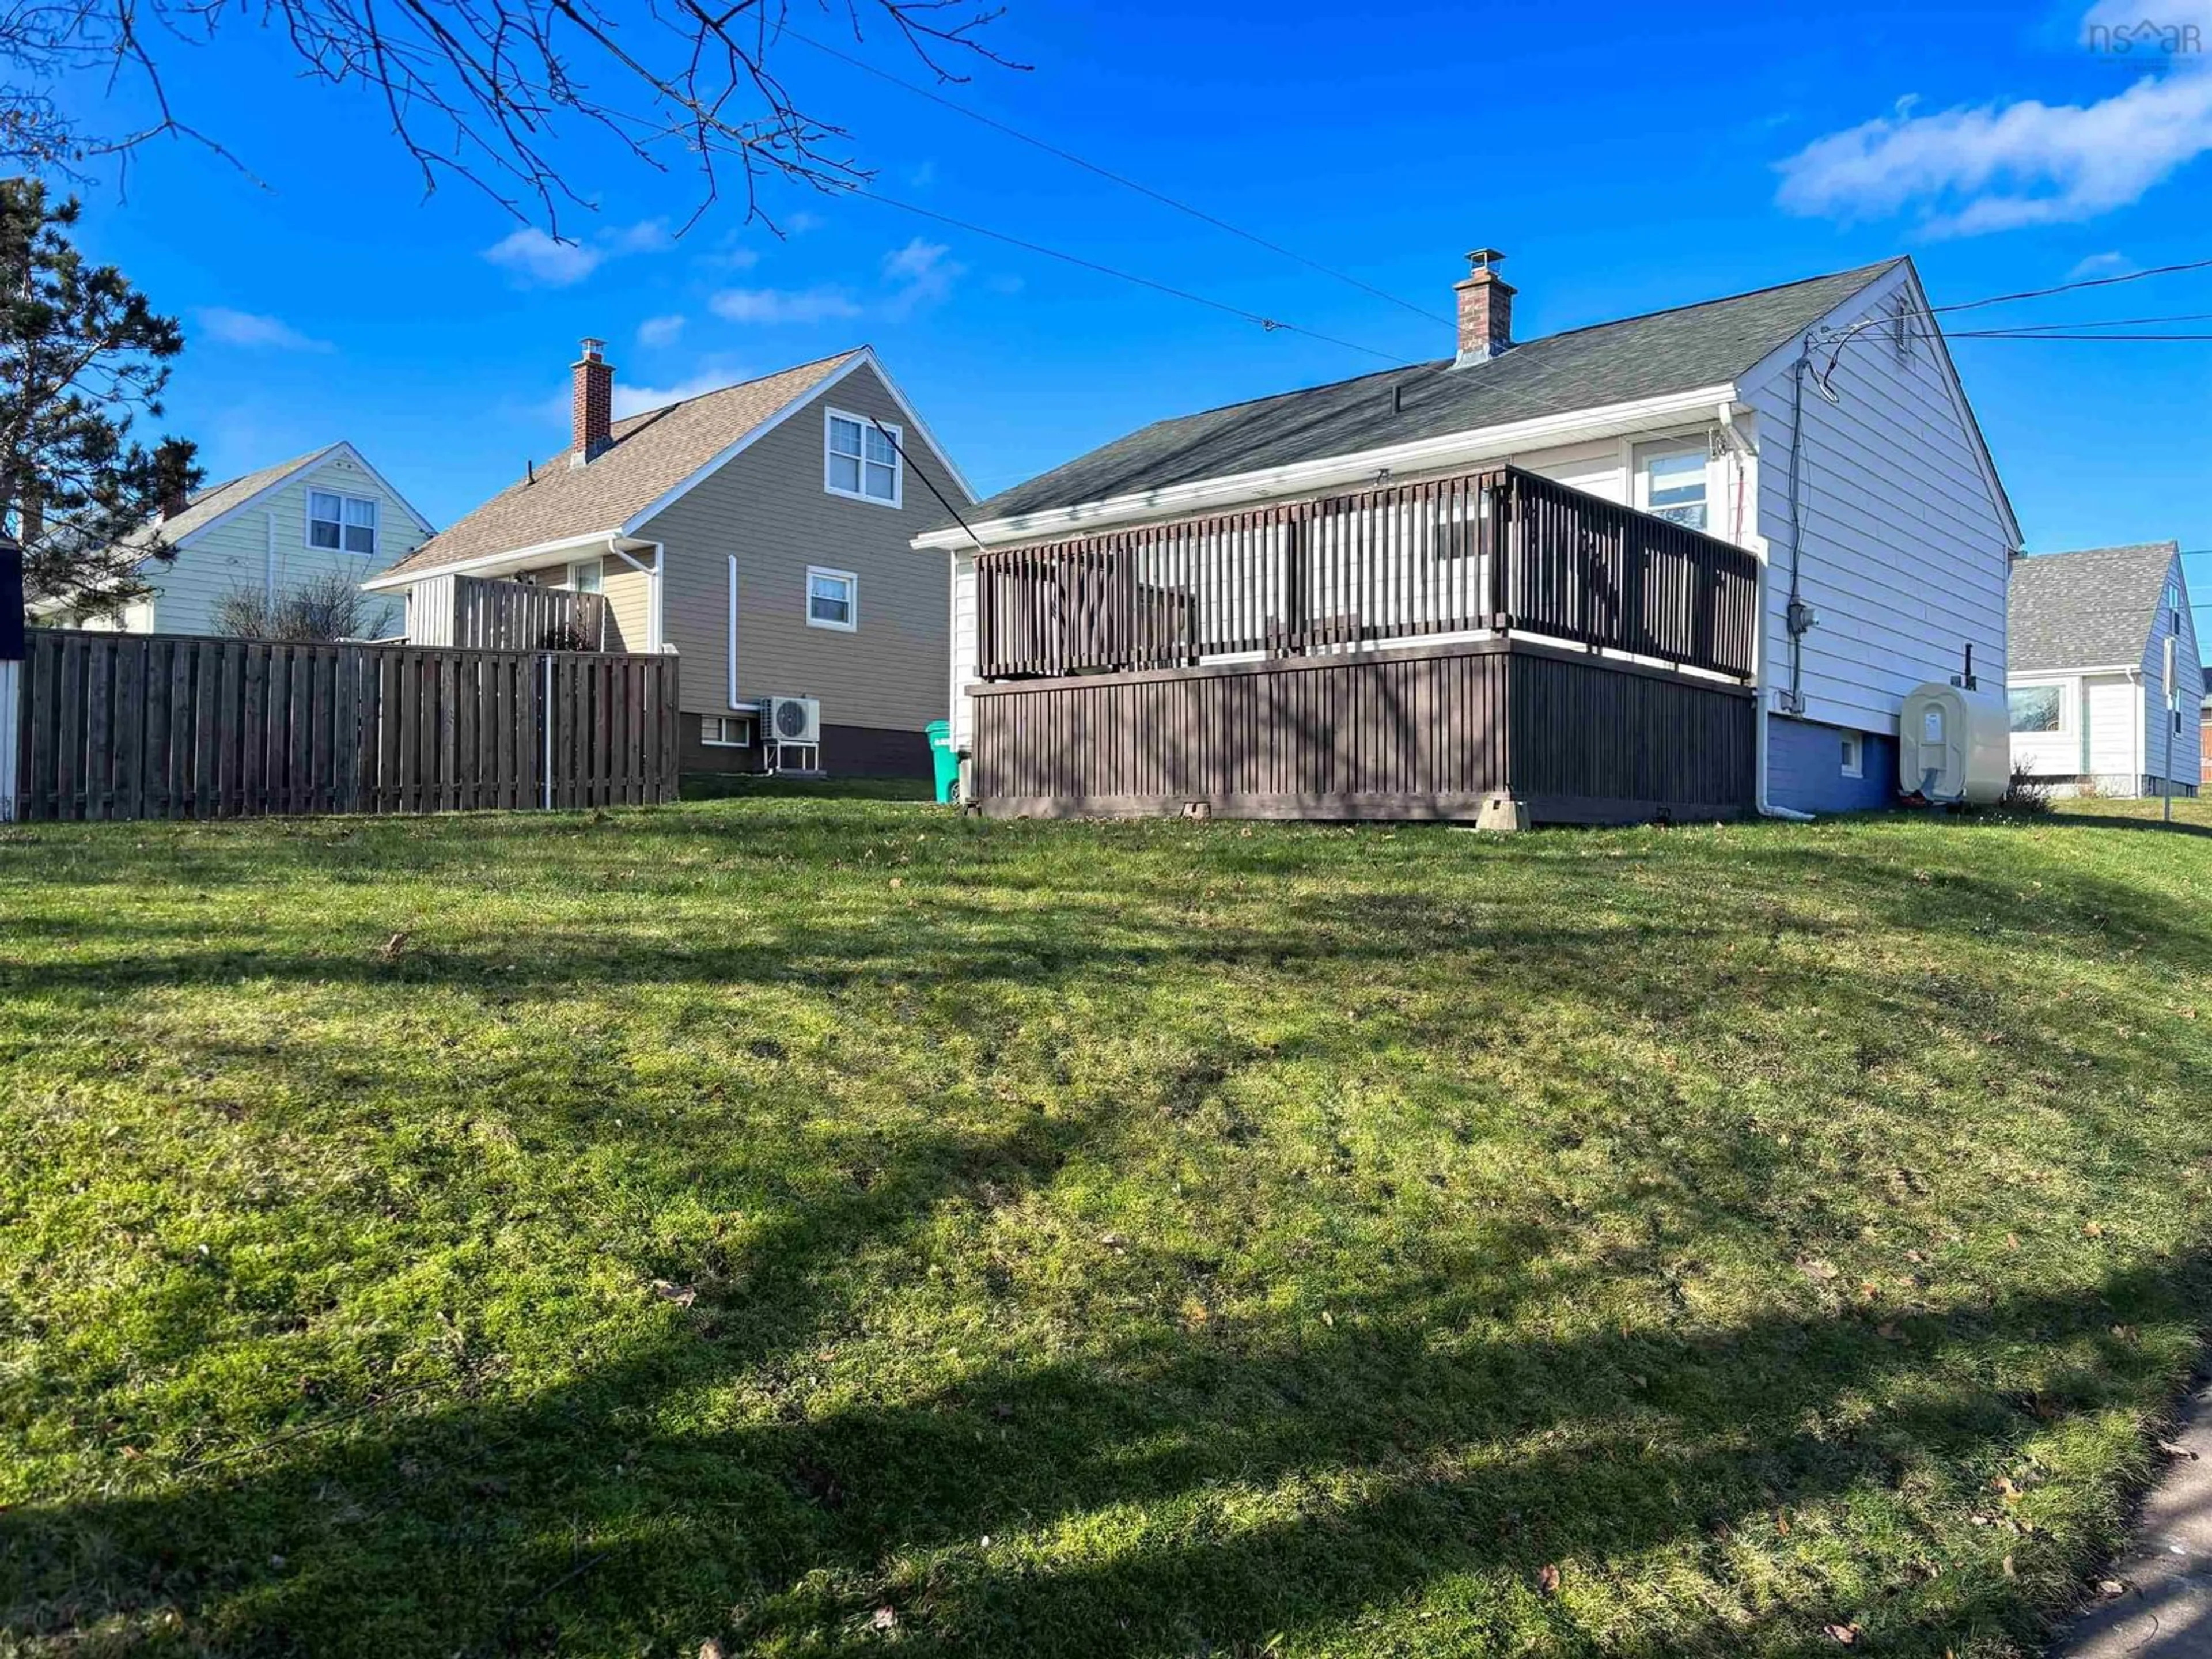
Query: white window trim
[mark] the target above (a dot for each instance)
(375, 530)
(569, 581)
(852, 623)
(1643, 451)
(1853, 756)
(865, 422)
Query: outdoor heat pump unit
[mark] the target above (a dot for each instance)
(794, 720)
(791, 733)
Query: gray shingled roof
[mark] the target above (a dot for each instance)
(215, 500)
(2093, 608)
(652, 453)
(1646, 356)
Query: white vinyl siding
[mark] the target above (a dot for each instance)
(2185, 764)
(2114, 745)
(266, 545)
(1905, 556)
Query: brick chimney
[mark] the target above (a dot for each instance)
(592, 403)
(1486, 309)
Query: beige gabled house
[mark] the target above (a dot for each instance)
(762, 532)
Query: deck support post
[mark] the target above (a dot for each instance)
(1501, 813)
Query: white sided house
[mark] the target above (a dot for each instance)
(1788, 520)
(266, 533)
(2106, 685)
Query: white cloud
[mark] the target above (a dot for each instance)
(636, 399)
(1007, 282)
(920, 274)
(556, 407)
(772, 304)
(800, 223)
(660, 331)
(2100, 264)
(2002, 164)
(255, 332)
(923, 177)
(532, 256)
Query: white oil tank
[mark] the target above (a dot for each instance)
(1954, 744)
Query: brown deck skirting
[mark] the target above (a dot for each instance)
(1417, 733)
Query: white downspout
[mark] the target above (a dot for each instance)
(1761, 804)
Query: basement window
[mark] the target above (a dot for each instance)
(1854, 755)
(727, 730)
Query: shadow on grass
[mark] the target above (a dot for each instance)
(620, 1510)
(1440, 1434)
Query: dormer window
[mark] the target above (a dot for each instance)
(341, 523)
(860, 459)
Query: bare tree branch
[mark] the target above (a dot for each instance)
(492, 93)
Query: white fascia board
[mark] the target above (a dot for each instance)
(745, 441)
(1904, 275)
(314, 461)
(916, 425)
(282, 481)
(517, 558)
(863, 358)
(2027, 676)
(1478, 446)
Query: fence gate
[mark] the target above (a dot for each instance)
(138, 725)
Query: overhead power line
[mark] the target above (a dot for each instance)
(2070, 287)
(1272, 324)
(1112, 177)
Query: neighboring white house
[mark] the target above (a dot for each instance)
(2092, 708)
(270, 531)
(1820, 424)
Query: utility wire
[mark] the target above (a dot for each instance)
(1272, 324)
(2069, 287)
(1107, 174)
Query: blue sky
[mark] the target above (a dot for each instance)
(1627, 158)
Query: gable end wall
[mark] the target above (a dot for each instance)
(768, 509)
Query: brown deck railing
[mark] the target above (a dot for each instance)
(1505, 550)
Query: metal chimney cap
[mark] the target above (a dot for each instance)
(1482, 258)
(593, 349)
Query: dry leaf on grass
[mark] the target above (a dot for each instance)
(390, 949)
(681, 1295)
(1847, 1634)
(1547, 1578)
(885, 1619)
(710, 1649)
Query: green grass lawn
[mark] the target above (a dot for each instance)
(827, 1225)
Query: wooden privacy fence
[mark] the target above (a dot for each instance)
(122, 726)
(1498, 549)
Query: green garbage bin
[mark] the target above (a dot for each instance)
(947, 759)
